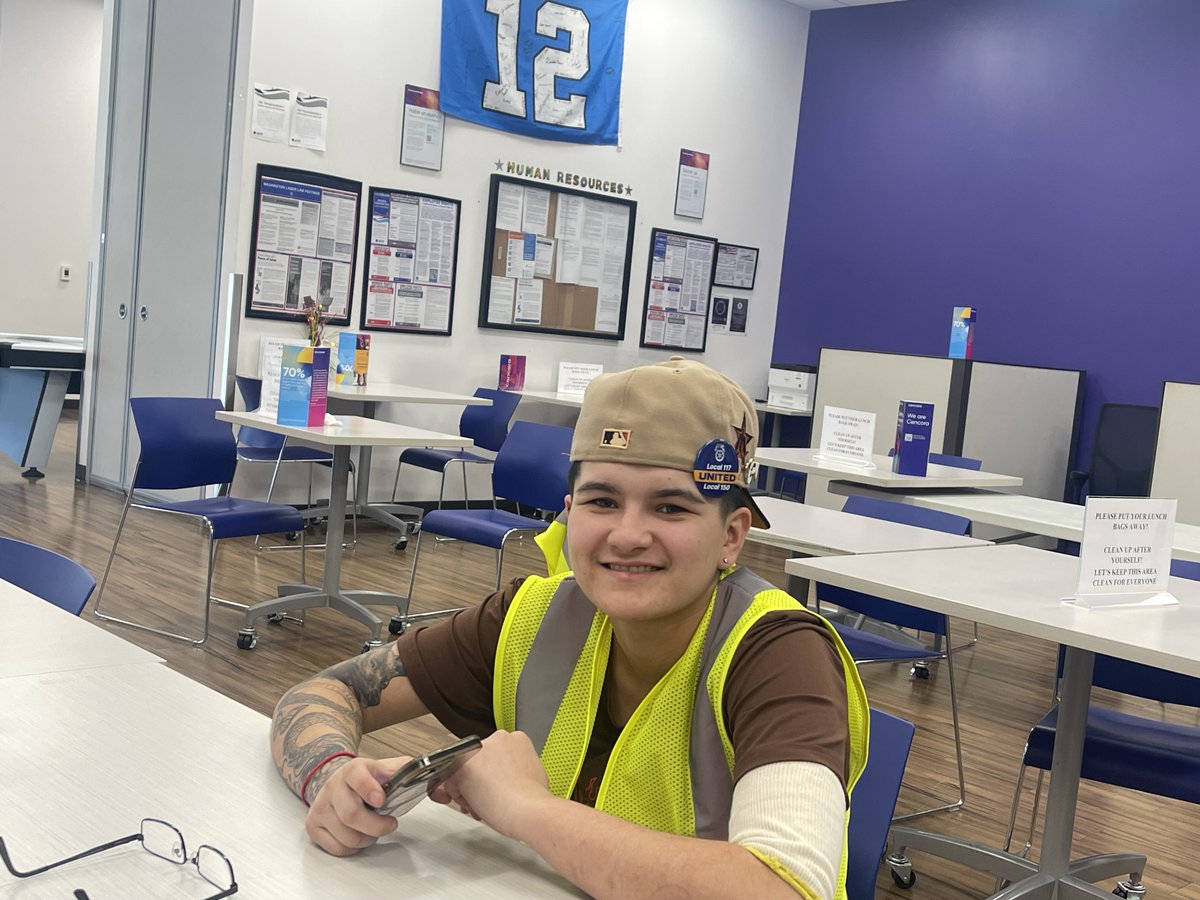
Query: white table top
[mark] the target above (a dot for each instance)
(804, 459)
(37, 637)
(87, 755)
(355, 431)
(1020, 589)
(764, 406)
(1037, 515)
(559, 399)
(817, 531)
(382, 392)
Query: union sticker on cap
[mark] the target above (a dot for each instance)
(716, 467)
(617, 438)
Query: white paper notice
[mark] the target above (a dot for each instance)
(1125, 554)
(270, 362)
(569, 262)
(269, 119)
(510, 203)
(529, 302)
(847, 435)
(568, 221)
(544, 262)
(573, 378)
(422, 130)
(522, 256)
(310, 118)
(692, 185)
(537, 211)
(500, 303)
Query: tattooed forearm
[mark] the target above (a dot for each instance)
(368, 675)
(312, 721)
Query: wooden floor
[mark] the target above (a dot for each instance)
(1004, 681)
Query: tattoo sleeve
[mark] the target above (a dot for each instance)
(325, 714)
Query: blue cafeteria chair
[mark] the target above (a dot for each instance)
(487, 426)
(258, 446)
(184, 446)
(49, 575)
(873, 802)
(1123, 749)
(894, 645)
(530, 470)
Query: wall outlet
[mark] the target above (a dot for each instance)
(64, 272)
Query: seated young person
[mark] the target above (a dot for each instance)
(659, 720)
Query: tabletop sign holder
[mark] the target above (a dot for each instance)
(1125, 554)
(303, 386)
(573, 378)
(914, 425)
(847, 436)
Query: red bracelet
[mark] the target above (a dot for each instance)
(314, 770)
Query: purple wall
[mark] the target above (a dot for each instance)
(1039, 160)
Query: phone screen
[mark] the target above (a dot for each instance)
(412, 782)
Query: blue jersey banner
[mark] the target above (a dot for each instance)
(535, 67)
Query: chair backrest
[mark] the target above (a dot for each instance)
(873, 802)
(1123, 450)
(487, 426)
(248, 436)
(906, 514)
(49, 575)
(183, 445)
(959, 462)
(900, 614)
(532, 465)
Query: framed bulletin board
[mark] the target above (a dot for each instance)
(303, 243)
(556, 260)
(736, 266)
(678, 287)
(410, 259)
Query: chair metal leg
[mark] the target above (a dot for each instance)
(111, 555)
(402, 610)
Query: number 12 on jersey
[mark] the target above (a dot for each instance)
(542, 68)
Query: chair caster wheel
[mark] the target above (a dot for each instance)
(291, 536)
(901, 869)
(276, 618)
(400, 543)
(396, 625)
(902, 881)
(368, 646)
(919, 670)
(247, 639)
(1130, 889)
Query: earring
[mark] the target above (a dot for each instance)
(724, 562)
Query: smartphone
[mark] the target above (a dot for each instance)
(412, 782)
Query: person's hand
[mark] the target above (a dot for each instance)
(339, 821)
(500, 785)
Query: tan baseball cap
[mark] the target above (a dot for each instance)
(679, 414)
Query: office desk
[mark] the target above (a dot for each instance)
(35, 371)
(370, 396)
(354, 431)
(1029, 515)
(36, 637)
(1019, 588)
(555, 398)
(804, 459)
(87, 755)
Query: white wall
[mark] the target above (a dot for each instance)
(708, 75)
(49, 83)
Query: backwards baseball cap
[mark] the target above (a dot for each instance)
(679, 414)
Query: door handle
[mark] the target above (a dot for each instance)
(143, 313)
(122, 311)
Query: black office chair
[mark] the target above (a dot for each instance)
(1122, 454)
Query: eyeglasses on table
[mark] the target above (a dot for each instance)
(161, 839)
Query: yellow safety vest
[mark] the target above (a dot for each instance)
(552, 629)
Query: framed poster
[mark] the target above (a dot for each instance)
(303, 244)
(556, 260)
(737, 266)
(678, 286)
(409, 261)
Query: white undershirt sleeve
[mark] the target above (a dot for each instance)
(792, 816)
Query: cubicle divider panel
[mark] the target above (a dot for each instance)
(1175, 451)
(1023, 420)
(876, 382)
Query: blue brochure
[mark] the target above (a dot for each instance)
(303, 385)
(914, 427)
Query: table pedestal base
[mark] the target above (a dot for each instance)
(293, 597)
(1025, 877)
